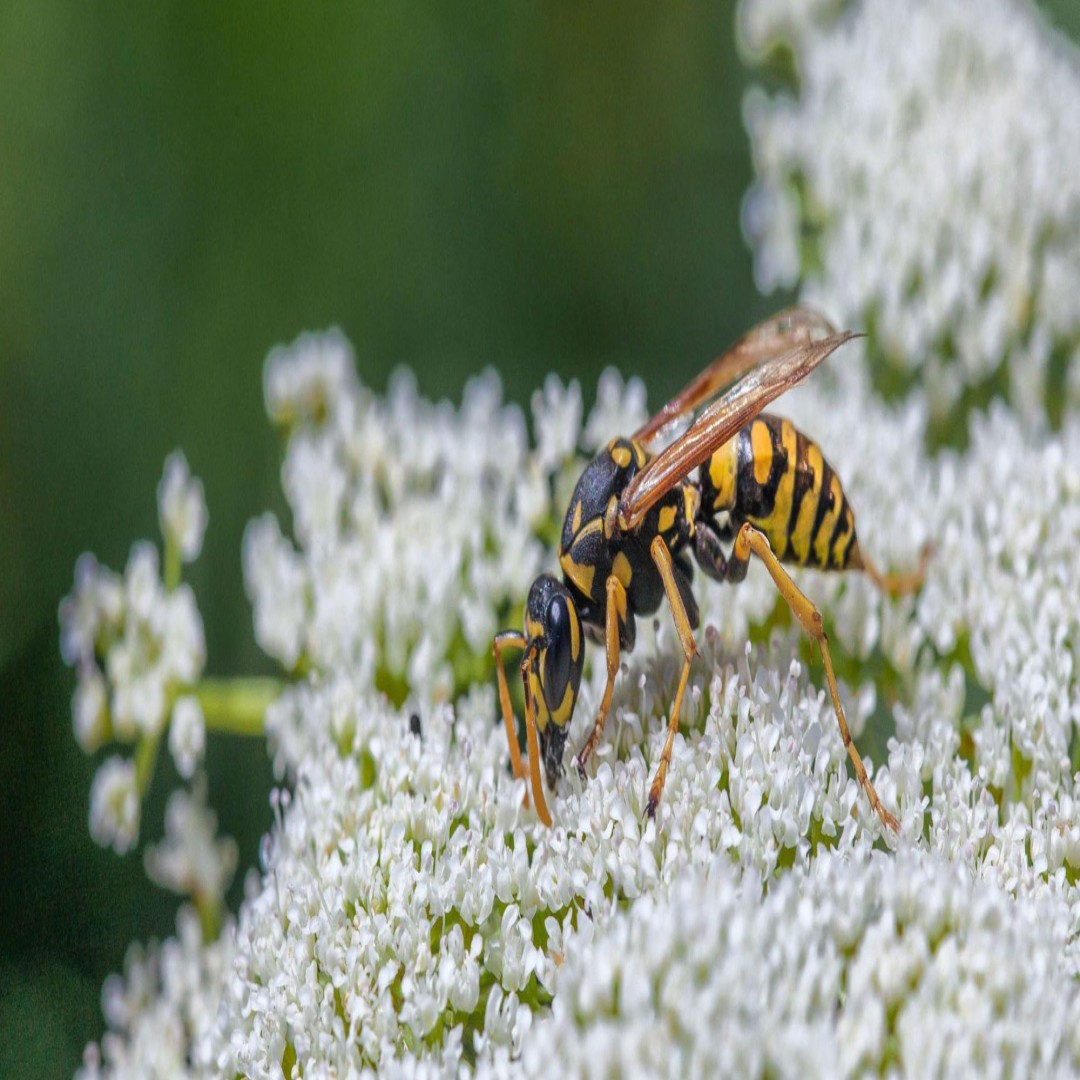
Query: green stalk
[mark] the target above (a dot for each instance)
(236, 706)
(172, 569)
(209, 911)
(145, 760)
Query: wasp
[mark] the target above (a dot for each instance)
(636, 519)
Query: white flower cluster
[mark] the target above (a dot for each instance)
(135, 645)
(925, 184)
(414, 918)
(866, 965)
(163, 1011)
(415, 524)
(131, 641)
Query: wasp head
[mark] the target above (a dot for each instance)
(551, 667)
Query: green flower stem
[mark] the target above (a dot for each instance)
(209, 911)
(236, 706)
(172, 569)
(145, 760)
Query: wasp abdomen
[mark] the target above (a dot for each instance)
(778, 480)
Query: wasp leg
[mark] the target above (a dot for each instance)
(616, 609)
(509, 639)
(529, 661)
(900, 583)
(750, 540)
(662, 558)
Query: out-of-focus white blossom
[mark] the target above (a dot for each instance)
(277, 587)
(163, 1009)
(306, 382)
(925, 184)
(557, 411)
(619, 409)
(90, 710)
(160, 648)
(182, 507)
(133, 638)
(136, 646)
(191, 860)
(765, 24)
(187, 735)
(115, 805)
(92, 615)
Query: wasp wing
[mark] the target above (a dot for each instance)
(719, 422)
(793, 327)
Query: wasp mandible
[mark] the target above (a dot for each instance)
(635, 519)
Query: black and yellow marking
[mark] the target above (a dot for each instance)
(719, 477)
(772, 476)
(578, 563)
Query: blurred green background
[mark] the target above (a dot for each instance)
(184, 185)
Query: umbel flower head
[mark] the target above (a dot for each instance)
(412, 914)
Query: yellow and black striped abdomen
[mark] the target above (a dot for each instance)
(774, 477)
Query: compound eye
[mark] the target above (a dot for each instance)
(558, 656)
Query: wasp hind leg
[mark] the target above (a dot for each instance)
(894, 583)
(616, 610)
(750, 540)
(665, 564)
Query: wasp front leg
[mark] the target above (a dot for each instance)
(662, 557)
(616, 611)
(530, 677)
(750, 540)
(509, 639)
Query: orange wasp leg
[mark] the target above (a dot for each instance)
(509, 639)
(616, 609)
(750, 540)
(527, 661)
(662, 558)
(894, 583)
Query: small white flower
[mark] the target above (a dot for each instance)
(305, 382)
(619, 409)
(182, 507)
(557, 421)
(187, 735)
(115, 805)
(190, 860)
(90, 709)
(92, 614)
